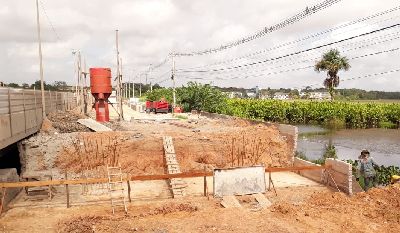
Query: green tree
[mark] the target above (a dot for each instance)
(204, 97)
(332, 62)
(13, 85)
(60, 85)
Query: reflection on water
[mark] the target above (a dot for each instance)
(383, 144)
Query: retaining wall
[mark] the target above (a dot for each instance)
(340, 171)
(315, 175)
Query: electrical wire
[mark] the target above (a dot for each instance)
(266, 30)
(297, 52)
(303, 38)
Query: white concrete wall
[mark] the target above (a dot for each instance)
(342, 175)
(315, 175)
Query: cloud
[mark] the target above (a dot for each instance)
(150, 29)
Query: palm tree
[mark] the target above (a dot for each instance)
(332, 62)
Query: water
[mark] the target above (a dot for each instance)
(383, 144)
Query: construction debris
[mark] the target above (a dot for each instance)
(230, 202)
(262, 200)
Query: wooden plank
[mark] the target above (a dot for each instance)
(133, 178)
(93, 125)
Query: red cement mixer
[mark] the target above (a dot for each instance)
(100, 86)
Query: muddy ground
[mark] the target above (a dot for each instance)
(294, 210)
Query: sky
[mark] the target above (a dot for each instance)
(149, 30)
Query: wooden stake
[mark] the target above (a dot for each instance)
(129, 189)
(67, 190)
(2, 199)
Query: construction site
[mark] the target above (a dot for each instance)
(115, 153)
(160, 173)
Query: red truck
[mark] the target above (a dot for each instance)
(161, 106)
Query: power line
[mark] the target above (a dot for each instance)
(266, 30)
(287, 70)
(354, 78)
(374, 39)
(49, 20)
(305, 38)
(298, 52)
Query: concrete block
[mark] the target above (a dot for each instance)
(9, 175)
(315, 175)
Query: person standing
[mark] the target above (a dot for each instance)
(366, 169)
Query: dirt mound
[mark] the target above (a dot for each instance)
(171, 208)
(47, 126)
(80, 224)
(65, 122)
(246, 146)
(376, 210)
(136, 154)
(108, 223)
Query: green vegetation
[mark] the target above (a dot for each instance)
(330, 152)
(194, 96)
(383, 173)
(332, 62)
(352, 115)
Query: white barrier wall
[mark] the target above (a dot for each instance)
(339, 174)
(342, 175)
(315, 175)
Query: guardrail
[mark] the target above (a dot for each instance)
(21, 111)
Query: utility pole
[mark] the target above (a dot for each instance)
(173, 82)
(84, 90)
(40, 61)
(119, 76)
(79, 92)
(140, 85)
(151, 89)
(133, 86)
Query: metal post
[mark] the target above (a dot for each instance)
(119, 78)
(140, 85)
(173, 82)
(40, 59)
(133, 87)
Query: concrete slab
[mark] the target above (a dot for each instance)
(230, 202)
(93, 125)
(290, 179)
(262, 200)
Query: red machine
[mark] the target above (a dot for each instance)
(100, 86)
(157, 106)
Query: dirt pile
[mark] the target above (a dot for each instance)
(378, 209)
(65, 122)
(171, 208)
(246, 146)
(136, 154)
(108, 223)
